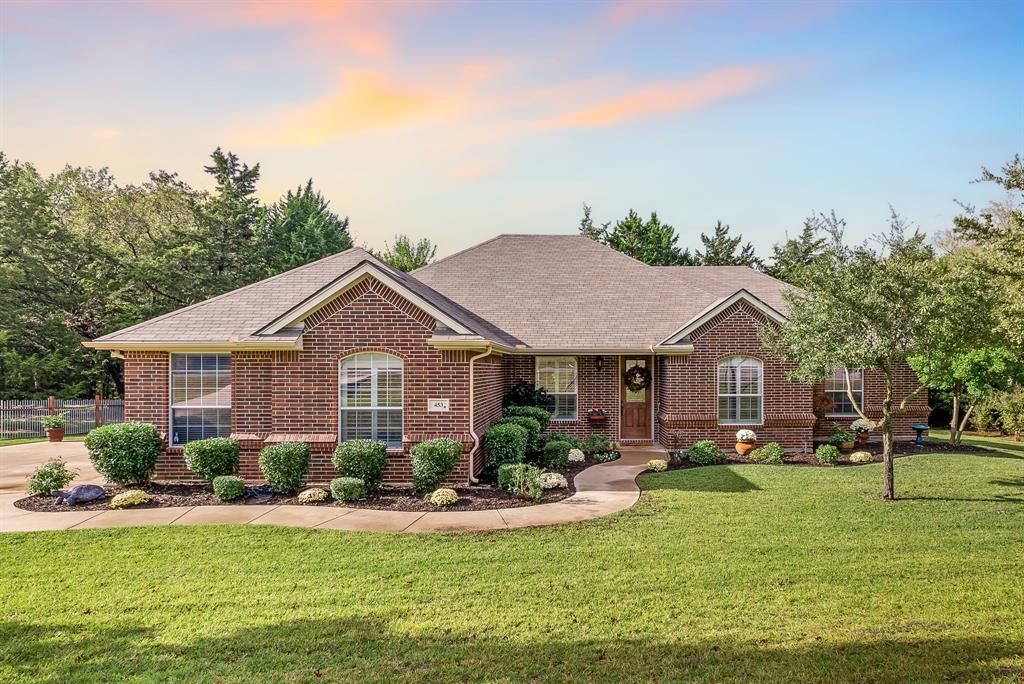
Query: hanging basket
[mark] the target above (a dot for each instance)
(637, 378)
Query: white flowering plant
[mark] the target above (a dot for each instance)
(746, 436)
(553, 481)
(444, 497)
(657, 465)
(313, 495)
(576, 456)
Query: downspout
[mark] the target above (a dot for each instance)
(472, 430)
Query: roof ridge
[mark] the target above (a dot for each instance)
(190, 307)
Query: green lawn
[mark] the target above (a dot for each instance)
(728, 573)
(29, 440)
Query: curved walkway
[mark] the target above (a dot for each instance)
(600, 490)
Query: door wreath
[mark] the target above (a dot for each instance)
(638, 378)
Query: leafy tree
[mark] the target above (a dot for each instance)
(869, 307)
(720, 249)
(792, 256)
(300, 228)
(406, 255)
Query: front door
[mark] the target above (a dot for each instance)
(636, 399)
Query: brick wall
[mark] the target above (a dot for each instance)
(489, 381)
(874, 393)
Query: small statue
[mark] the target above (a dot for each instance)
(80, 494)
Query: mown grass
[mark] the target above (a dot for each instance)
(727, 573)
(29, 440)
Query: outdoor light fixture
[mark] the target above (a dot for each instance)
(599, 362)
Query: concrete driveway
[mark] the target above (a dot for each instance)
(18, 461)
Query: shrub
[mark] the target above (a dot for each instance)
(562, 437)
(553, 481)
(861, 457)
(54, 474)
(771, 453)
(532, 427)
(444, 497)
(705, 452)
(53, 421)
(210, 458)
(348, 489)
(657, 465)
(576, 456)
(228, 487)
(364, 459)
(124, 453)
(606, 457)
(525, 393)
(505, 443)
(596, 444)
(520, 480)
(127, 499)
(284, 465)
(312, 495)
(841, 436)
(432, 462)
(827, 453)
(536, 412)
(556, 454)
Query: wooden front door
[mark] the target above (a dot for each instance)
(636, 404)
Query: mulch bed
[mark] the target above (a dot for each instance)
(164, 495)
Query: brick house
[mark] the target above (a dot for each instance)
(347, 347)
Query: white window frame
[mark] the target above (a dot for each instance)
(170, 393)
(860, 392)
(373, 408)
(740, 360)
(576, 366)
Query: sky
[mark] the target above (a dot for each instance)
(458, 121)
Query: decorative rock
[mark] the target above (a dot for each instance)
(553, 481)
(861, 457)
(80, 494)
(313, 495)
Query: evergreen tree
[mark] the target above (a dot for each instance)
(650, 241)
(407, 256)
(231, 217)
(300, 228)
(588, 229)
(791, 257)
(720, 250)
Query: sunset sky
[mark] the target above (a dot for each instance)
(458, 121)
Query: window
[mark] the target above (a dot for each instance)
(835, 388)
(559, 375)
(370, 385)
(200, 396)
(740, 390)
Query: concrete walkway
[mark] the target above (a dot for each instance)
(600, 490)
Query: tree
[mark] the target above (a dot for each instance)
(650, 241)
(406, 256)
(300, 228)
(720, 250)
(869, 307)
(791, 257)
(231, 216)
(588, 229)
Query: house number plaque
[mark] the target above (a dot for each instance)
(437, 405)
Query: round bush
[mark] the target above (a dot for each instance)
(127, 499)
(538, 414)
(364, 459)
(562, 437)
(657, 465)
(348, 489)
(505, 443)
(54, 474)
(284, 465)
(228, 487)
(553, 481)
(210, 458)
(705, 452)
(596, 444)
(827, 454)
(124, 453)
(771, 453)
(312, 495)
(532, 426)
(556, 454)
(432, 462)
(861, 457)
(577, 456)
(444, 497)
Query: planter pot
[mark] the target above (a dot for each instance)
(744, 448)
(55, 434)
(846, 446)
(861, 439)
(597, 419)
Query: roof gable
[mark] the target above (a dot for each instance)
(682, 335)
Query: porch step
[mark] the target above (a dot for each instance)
(637, 442)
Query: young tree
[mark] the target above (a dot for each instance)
(300, 228)
(791, 257)
(864, 307)
(720, 250)
(407, 256)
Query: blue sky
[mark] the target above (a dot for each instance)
(458, 121)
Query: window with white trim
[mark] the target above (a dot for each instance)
(559, 377)
(370, 403)
(835, 388)
(200, 397)
(740, 390)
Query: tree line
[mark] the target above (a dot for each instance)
(82, 255)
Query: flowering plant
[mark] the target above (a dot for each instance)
(576, 456)
(553, 481)
(746, 436)
(657, 465)
(444, 497)
(596, 412)
(862, 425)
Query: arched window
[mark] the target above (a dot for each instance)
(370, 402)
(740, 390)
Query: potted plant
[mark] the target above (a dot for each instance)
(842, 438)
(746, 440)
(53, 425)
(597, 415)
(861, 427)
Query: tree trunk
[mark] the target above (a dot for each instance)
(954, 421)
(888, 488)
(963, 424)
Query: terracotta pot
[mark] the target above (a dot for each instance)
(744, 448)
(846, 446)
(861, 438)
(597, 419)
(55, 434)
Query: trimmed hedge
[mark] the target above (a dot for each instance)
(432, 462)
(705, 452)
(284, 465)
(228, 487)
(505, 443)
(562, 437)
(364, 459)
(210, 458)
(556, 454)
(537, 413)
(348, 489)
(124, 453)
(532, 427)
